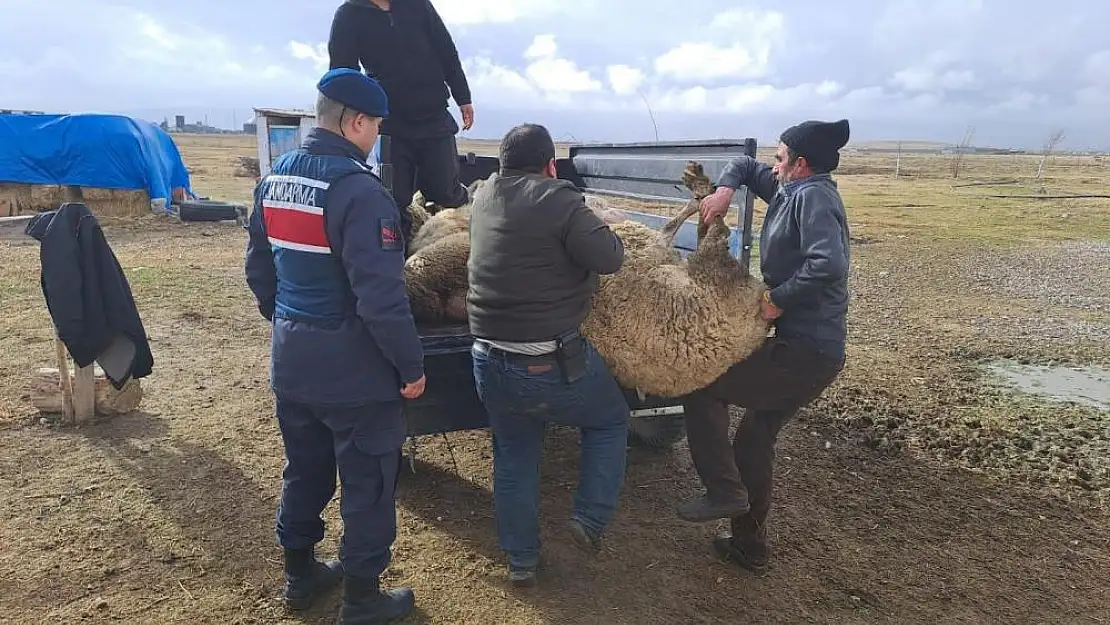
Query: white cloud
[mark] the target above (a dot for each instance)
(318, 54)
(474, 12)
(543, 46)
(624, 80)
(742, 99)
(759, 33)
(557, 77)
(938, 72)
(463, 12)
(561, 76)
(691, 62)
(928, 79)
(750, 23)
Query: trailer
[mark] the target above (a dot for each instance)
(649, 172)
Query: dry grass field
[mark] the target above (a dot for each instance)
(917, 490)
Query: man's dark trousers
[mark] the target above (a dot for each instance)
(429, 164)
(772, 384)
(319, 440)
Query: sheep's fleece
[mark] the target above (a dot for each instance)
(665, 326)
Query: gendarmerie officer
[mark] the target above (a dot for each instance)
(325, 262)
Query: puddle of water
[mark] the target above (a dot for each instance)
(1089, 386)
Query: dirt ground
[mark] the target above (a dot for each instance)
(913, 491)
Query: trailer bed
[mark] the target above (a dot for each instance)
(450, 401)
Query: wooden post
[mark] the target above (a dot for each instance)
(66, 383)
(84, 395)
(78, 394)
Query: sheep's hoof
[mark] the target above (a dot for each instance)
(656, 432)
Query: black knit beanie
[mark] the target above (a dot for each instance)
(819, 142)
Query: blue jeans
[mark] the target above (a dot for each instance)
(522, 395)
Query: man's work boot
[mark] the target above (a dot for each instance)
(748, 545)
(583, 537)
(522, 576)
(752, 555)
(364, 603)
(306, 578)
(703, 509)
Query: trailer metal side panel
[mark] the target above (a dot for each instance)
(653, 172)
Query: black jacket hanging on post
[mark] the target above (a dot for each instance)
(88, 295)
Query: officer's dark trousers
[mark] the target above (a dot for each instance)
(317, 442)
(427, 164)
(772, 384)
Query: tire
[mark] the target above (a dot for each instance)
(209, 210)
(656, 432)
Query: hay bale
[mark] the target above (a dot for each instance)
(27, 199)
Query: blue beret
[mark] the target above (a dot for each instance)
(355, 90)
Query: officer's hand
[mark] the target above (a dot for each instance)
(467, 111)
(413, 390)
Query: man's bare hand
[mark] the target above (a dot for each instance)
(716, 203)
(767, 308)
(413, 390)
(467, 111)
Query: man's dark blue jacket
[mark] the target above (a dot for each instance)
(411, 53)
(87, 293)
(325, 261)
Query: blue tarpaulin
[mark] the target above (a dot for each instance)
(91, 150)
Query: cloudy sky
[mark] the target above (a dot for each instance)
(589, 69)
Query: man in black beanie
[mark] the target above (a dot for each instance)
(804, 257)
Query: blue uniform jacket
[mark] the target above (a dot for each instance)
(343, 332)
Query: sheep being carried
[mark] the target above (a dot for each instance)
(665, 325)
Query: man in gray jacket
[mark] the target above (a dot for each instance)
(536, 251)
(804, 257)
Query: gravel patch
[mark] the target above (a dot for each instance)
(1042, 330)
(1073, 274)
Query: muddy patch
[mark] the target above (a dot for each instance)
(1086, 386)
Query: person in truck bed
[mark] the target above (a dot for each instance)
(325, 262)
(407, 48)
(804, 257)
(535, 254)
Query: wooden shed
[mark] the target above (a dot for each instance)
(278, 131)
(281, 130)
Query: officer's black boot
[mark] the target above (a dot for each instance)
(306, 578)
(364, 603)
